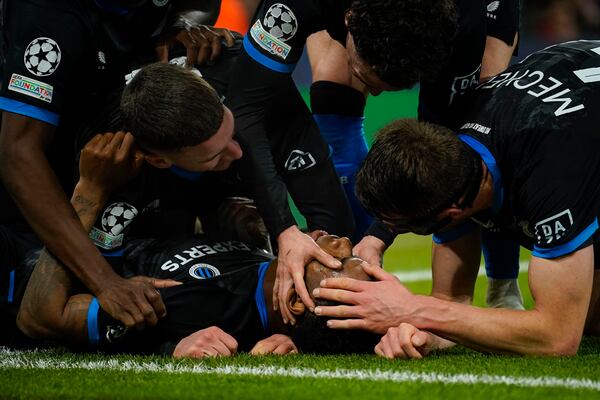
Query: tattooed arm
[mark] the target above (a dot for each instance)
(51, 306)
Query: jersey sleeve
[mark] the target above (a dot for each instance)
(559, 201)
(278, 33)
(43, 47)
(503, 19)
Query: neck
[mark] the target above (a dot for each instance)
(485, 197)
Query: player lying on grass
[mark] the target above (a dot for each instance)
(525, 163)
(216, 295)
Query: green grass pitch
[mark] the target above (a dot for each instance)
(455, 374)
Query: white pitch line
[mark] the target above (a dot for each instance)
(10, 359)
(425, 274)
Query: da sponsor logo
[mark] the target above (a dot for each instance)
(31, 87)
(553, 228)
(269, 42)
(462, 83)
(203, 271)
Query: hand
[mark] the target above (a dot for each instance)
(209, 342)
(135, 302)
(373, 306)
(370, 249)
(405, 341)
(296, 249)
(203, 43)
(276, 344)
(109, 161)
(240, 220)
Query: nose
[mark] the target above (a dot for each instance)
(234, 150)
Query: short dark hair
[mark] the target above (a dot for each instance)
(311, 335)
(167, 107)
(413, 169)
(406, 41)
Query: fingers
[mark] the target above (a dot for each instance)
(377, 272)
(165, 283)
(346, 324)
(314, 235)
(156, 302)
(339, 296)
(275, 296)
(350, 284)
(149, 317)
(285, 285)
(326, 259)
(300, 287)
(276, 344)
(162, 52)
(403, 337)
(227, 35)
(342, 311)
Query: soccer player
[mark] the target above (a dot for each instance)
(262, 79)
(525, 164)
(216, 293)
(60, 58)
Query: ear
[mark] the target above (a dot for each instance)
(157, 161)
(347, 17)
(294, 304)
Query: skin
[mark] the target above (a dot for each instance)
(563, 290)
(215, 154)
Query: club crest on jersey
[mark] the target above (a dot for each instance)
(42, 56)
(553, 228)
(299, 160)
(203, 271)
(492, 7)
(31, 87)
(114, 333)
(269, 42)
(160, 3)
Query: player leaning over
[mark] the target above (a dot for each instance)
(262, 79)
(525, 162)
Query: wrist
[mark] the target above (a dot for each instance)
(91, 191)
(288, 232)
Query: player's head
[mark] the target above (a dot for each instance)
(419, 177)
(393, 44)
(311, 333)
(178, 119)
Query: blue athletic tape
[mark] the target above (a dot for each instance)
(454, 233)
(11, 286)
(259, 296)
(490, 162)
(112, 6)
(116, 253)
(266, 61)
(17, 107)
(568, 247)
(184, 173)
(92, 322)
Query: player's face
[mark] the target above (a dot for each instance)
(361, 70)
(214, 154)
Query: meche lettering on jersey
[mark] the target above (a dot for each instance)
(196, 252)
(476, 127)
(548, 88)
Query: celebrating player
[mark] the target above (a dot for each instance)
(525, 164)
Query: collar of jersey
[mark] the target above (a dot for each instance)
(491, 165)
(185, 174)
(112, 6)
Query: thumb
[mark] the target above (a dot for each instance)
(327, 259)
(376, 272)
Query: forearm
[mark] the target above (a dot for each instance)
(30, 179)
(49, 310)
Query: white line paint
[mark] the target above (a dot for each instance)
(10, 359)
(425, 274)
